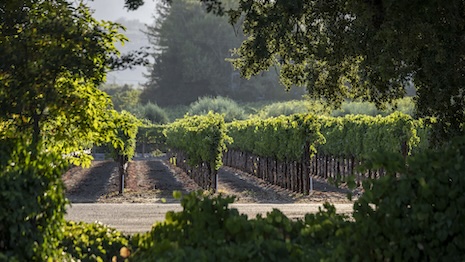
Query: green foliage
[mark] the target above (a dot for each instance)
(123, 97)
(54, 54)
(72, 131)
(126, 126)
(416, 215)
(208, 230)
(362, 49)
(151, 112)
(227, 107)
(202, 138)
(92, 242)
(360, 136)
(123, 128)
(293, 107)
(404, 105)
(283, 138)
(151, 137)
(176, 111)
(190, 58)
(357, 108)
(32, 203)
(45, 73)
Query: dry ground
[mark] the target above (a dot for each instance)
(154, 180)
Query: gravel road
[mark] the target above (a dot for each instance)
(134, 218)
(93, 194)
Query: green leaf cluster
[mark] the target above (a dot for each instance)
(92, 242)
(54, 54)
(202, 138)
(371, 50)
(415, 216)
(152, 134)
(126, 126)
(293, 107)
(283, 138)
(208, 230)
(360, 136)
(222, 105)
(32, 203)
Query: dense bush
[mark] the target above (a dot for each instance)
(417, 215)
(293, 107)
(202, 138)
(32, 203)
(176, 112)
(404, 105)
(221, 105)
(283, 138)
(92, 242)
(155, 114)
(357, 108)
(151, 112)
(208, 230)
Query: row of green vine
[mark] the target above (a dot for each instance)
(202, 138)
(283, 138)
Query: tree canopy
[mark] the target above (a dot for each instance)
(54, 55)
(360, 49)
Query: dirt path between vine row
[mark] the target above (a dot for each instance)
(93, 193)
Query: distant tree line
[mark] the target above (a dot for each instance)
(190, 55)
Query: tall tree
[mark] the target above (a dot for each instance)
(190, 58)
(191, 48)
(53, 56)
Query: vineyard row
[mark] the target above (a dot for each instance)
(286, 150)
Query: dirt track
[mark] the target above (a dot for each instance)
(149, 187)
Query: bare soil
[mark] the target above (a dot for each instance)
(154, 180)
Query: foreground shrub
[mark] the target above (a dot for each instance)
(32, 203)
(414, 213)
(418, 216)
(221, 105)
(92, 242)
(207, 230)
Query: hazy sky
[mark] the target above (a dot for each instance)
(114, 9)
